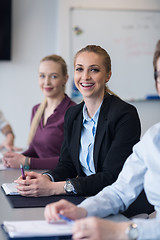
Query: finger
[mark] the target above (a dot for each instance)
(5, 163)
(81, 230)
(53, 209)
(70, 213)
(9, 148)
(27, 194)
(50, 213)
(80, 233)
(8, 154)
(16, 149)
(19, 179)
(3, 160)
(26, 190)
(47, 213)
(33, 174)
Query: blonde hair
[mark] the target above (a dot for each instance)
(37, 117)
(107, 60)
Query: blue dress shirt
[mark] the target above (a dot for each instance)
(87, 141)
(142, 169)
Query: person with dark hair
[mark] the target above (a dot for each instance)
(99, 134)
(156, 62)
(47, 120)
(141, 169)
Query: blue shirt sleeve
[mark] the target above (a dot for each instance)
(140, 170)
(148, 228)
(117, 197)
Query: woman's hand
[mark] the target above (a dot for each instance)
(65, 208)
(93, 228)
(37, 184)
(13, 160)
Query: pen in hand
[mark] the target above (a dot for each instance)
(65, 218)
(22, 171)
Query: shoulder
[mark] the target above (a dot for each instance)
(76, 107)
(115, 105)
(69, 102)
(34, 108)
(116, 111)
(149, 146)
(118, 102)
(74, 111)
(65, 104)
(153, 133)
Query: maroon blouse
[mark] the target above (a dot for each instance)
(45, 147)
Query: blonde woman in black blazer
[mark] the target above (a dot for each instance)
(117, 130)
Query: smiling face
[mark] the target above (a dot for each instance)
(90, 75)
(51, 79)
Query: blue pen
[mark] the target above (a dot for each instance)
(65, 218)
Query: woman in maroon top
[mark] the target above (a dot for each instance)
(47, 120)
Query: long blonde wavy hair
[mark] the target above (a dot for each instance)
(37, 117)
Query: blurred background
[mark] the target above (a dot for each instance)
(39, 28)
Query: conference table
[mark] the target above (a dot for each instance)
(7, 213)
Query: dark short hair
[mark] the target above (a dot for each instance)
(156, 55)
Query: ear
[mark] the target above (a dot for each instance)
(108, 76)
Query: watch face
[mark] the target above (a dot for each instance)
(68, 187)
(133, 232)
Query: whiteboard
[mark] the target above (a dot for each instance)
(129, 36)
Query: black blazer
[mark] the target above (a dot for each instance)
(118, 129)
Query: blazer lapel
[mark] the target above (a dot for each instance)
(77, 124)
(101, 128)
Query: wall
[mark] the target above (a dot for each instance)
(148, 110)
(149, 113)
(34, 35)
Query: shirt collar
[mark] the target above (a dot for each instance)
(63, 105)
(87, 118)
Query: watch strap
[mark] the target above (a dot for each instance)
(26, 164)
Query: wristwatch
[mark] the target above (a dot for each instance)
(26, 164)
(132, 232)
(69, 188)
